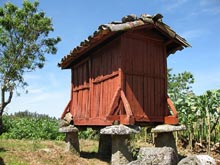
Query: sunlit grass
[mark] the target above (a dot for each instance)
(36, 152)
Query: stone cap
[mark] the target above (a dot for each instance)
(70, 128)
(120, 130)
(168, 128)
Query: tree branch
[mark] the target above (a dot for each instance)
(3, 102)
(9, 97)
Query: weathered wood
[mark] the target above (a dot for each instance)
(81, 88)
(66, 110)
(172, 107)
(126, 104)
(114, 102)
(121, 78)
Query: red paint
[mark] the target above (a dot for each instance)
(123, 79)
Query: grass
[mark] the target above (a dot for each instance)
(36, 152)
(27, 152)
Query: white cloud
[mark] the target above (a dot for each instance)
(48, 93)
(35, 90)
(210, 7)
(212, 10)
(31, 77)
(42, 102)
(191, 34)
(175, 4)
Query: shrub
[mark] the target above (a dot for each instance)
(31, 126)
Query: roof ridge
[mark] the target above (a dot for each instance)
(127, 22)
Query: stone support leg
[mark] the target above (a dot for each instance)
(120, 135)
(164, 135)
(71, 139)
(72, 142)
(165, 139)
(120, 150)
(105, 146)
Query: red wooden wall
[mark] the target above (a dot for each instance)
(144, 66)
(135, 63)
(94, 82)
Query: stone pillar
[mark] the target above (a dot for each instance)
(164, 135)
(165, 139)
(120, 150)
(105, 146)
(71, 139)
(120, 142)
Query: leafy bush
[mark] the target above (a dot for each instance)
(31, 126)
(89, 133)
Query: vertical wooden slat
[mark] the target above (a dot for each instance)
(138, 95)
(151, 87)
(129, 91)
(146, 97)
(165, 80)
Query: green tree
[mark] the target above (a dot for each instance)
(179, 85)
(185, 101)
(180, 92)
(200, 114)
(24, 41)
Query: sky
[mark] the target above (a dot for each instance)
(197, 21)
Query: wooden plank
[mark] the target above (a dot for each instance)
(95, 92)
(157, 98)
(129, 90)
(75, 78)
(79, 104)
(137, 95)
(74, 103)
(151, 87)
(165, 80)
(106, 77)
(114, 102)
(101, 90)
(115, 57)
(172, 107)
(80, 76)
(126, 104)
(87, 104)
(83, 104)
(92, 122)
(113, 117)
(96, 98)
(146, 59)
(138, 55)
(67, 108)
(144, 37)
(127, 56)
(83, 87)
(149, 119)
(145, 97)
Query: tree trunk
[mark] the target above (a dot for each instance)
(1, 125)
(3, 104)
(209, 130)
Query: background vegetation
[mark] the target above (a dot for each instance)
(200, 114)
(34, 126)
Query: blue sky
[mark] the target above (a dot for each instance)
(197, 21)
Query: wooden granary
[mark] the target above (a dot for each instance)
(120, 73)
